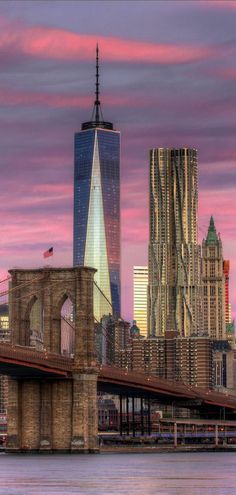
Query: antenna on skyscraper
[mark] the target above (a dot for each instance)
(97, 119)
(97, 102)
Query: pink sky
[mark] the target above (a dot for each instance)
(167, 79)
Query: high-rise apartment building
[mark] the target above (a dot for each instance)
(174, 254)
(183, 359)
(213, 280)
(112, 335)
(140, 284)
(97, 206)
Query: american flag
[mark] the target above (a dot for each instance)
(48, 253)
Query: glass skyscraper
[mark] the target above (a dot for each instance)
(97, 207)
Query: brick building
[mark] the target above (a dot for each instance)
(184, 359)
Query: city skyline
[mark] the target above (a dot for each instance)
(161, 88)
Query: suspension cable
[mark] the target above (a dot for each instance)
(5, 279)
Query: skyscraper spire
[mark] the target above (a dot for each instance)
(97, 119)
(97, 102)
(212, 237)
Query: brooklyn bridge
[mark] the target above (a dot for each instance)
(52, 396)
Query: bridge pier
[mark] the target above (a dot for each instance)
(56, 416)
(46, 417)
(13, 417)
(61, 415)
(84, 413)
(30, 414)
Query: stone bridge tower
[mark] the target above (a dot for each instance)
(48, 413)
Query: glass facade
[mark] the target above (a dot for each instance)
(97, 213)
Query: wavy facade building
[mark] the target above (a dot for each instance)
(97, 206)
(174, 254)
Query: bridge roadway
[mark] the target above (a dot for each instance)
(23, 362)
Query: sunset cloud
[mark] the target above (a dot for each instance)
(60, 44)
(222, 4)
(227, 73)
(53, 100)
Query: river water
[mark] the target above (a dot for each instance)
(115, 474)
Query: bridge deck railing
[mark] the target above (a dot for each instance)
(30, 355)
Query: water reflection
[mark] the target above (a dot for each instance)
(115, 474)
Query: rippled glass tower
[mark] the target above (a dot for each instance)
(174, 254)
(97, 206)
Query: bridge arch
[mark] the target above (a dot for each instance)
(62, 297)
(32, 330)
(67, 328)
(63, 328)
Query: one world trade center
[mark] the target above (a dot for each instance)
(97, 206)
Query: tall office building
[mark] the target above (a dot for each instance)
(97, 206)
(174, 255)
(226, 266)
(140, 284)
(213, 279)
